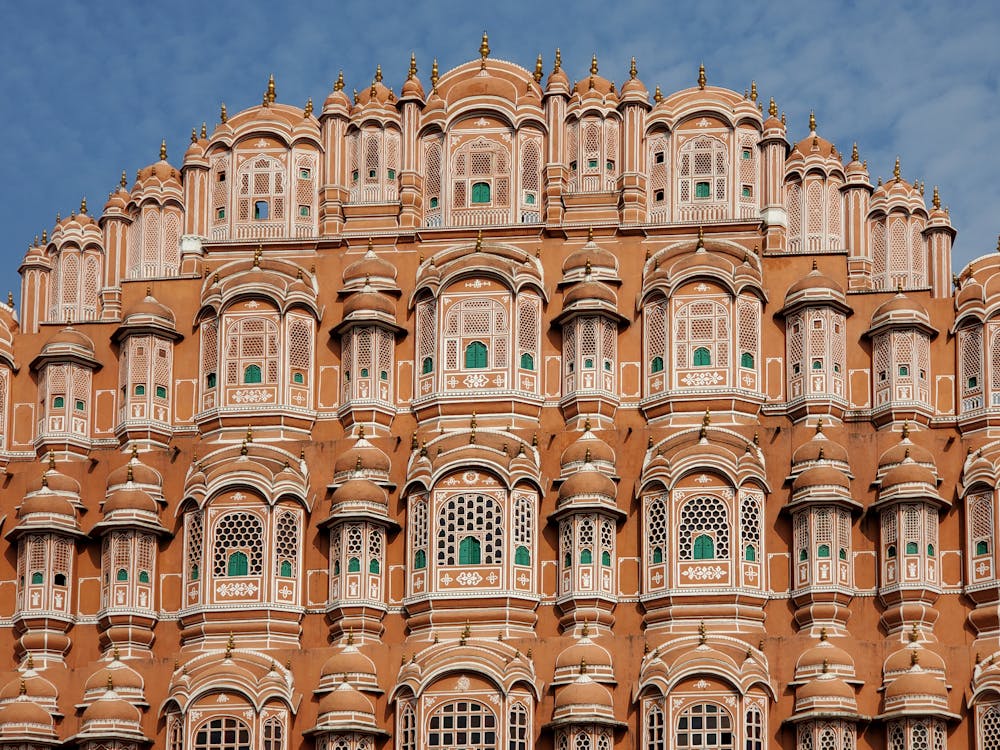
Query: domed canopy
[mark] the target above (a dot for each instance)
(821, 476)
(824, 657)
(148, 315)
(820, 448)
(815, 288)
(588, 448)
(351, 663)
(25, 719)
(916, 684)
(826, 695)
(110, 708)
(361, 460)
(906, 449)
(371, 269)
(369, 301)
(595, 659)
(900, 311)
(344, 710)
(583, 701)
(588, 484)
(149, 306)
(68, 345)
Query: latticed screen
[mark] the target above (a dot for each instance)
(239, 545)
(750, 528)
(703, 171)
(477, 320)
(251, 351)
(286, 544)
(433, 181)
(470, 531)
(657, 531)
(793, 200)
(701, 325)
(703, 533)
(658, 170)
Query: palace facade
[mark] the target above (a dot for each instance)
(504, 412)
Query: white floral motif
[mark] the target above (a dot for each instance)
(237, 589)
(223, 698)
(468, 579)
(252, 396)
(701, 684)
(705, 573)
(702, 378)
(475, 381)
(463, 683)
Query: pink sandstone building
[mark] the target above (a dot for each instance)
(502, 412)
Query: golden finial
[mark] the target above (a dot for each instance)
(204, 130)
(879, 182)
(83, 205)
(45, 234)
(194, 135)
(649, 443)
(583, 666)
(593, 65)
(223, 116)
(702, 633)
(702, 80)
(701, 238)
(557, 66)
(484, 49)
(854, 151)
(537, 75)
(111, 683)
(129, 476)
(633, 72)
(338, 85)
(783, 120)
(657, 94)
(21, 688)
(229, 645)
(308, 110)
(59, 216)
(243, 448)
(914, 634)
(249, 434)
(706, 420)
(472, 422)
(586, 456)
(271, 95)
(434, 74)
(936, 198)
(826, 666)
(534, 440)
(905, 432)
(412, 72)
(753, 91)
(378, 73)
(586, 629)
(163, 150)
(821, 455)
(812, 122)
(479, 241)
(30, 663)
(822, 634)
(815, 267)
(256, 255)
(895, 169)
(772, 108)
(914, 658)
(586, 424)
(899, 286)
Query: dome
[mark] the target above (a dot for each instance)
(594, 84)
(584, 651)
(821, 476)
(825, 686)
(902, 660)
(583, 693)
(348, 660)
(901, 307)
(348, 701)
(110, 707)
(915, 682)
(588, 448)
(148, 306)
(815, 145)
(70, 336)
(824, 655)
(591, 253)
(140, 474)
(130, 499)
(123, 677)
(819, 448)
(588, 484)
(908, 472)
(589, 291)
(55, 481)
(370, 266)
(158, 175)
(359, 491)
(369, 301)
(815, 285)
(35, 686)
(48, 503)
(362, 456)
(24, 711)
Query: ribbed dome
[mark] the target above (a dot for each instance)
(914, 683)
(820, 448)
(72, 337)
(583, 651)
(345, 700)
(35, 686)
(48, 503)
(821, 476)
(587, 291)
(149, 306)
(369, 301)
(130, 499)
(583, 693)
(24, 711)
(824, 655)
(825, 686)
(901, 306)
(110, 707)
(814, 281)
(908, 472)
(899, 452)
(362, 456)
(359, 491)
(591, 253)
(123, 677)
(587, 448)
(902, 660)
(348, 660)
(369, 266)
(55, 481)
(140, 474)
(588, 483)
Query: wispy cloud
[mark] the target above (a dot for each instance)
(92, 88)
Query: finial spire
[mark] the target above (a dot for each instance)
(633, 72)
(378, 73)
(772, 108)
(412, 73)
(537, 75)
(657, 94)
(479, 241)
(701, 238)
(484, 49)
(753, 91)
(895, 169)
(593, 65)
(702, 80)
(83, 205)
(308, 109)
(223, 116)
(194, 135)
(163, 150)
(204, 130)
(854, 151)
(812, 122)
(271, 94)
(338, 85)
(434, 74)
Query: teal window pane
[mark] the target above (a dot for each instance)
(475, 355)
(656, 365)
(251, 374)
(746, 360)
(702, 357)
(527, 361)
(122, 575)
(657, 554)
(702, 190)
(481, 192)
(354, 565)
(420, 560)
(469, 551)
(586, 557)
(522, 556)
(704, 547)
(238, 564)
(285, 570)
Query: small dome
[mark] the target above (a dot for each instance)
(24, 711)
(370, 266)
(825, 686)
(70, 336)
(900, 306)
(904, 449)
(359, 491)
(139, 474)
(583, 693)
(48, 503)
(812, 284)
(591, 253)
(821, 476)
(824, 655)
(348, 660)
(588, 484)
(35, 687)
(362, 456)
(149, 306)
(587, 291)
(55, 481)
(588, 448)
(916, 682)
(346, 700)
(130, 499)
(583, 651)
(111, 708)
(369, 301)
(820, 448)
(903, 660)
(908, 472)
(159, 175)
(123, 677)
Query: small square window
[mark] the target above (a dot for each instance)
(139, 390)
(923, 374)
(210, 380)
(658, 196)
(795, 369)
(303, 210)
(746, 154)
(383, 375)
(80, 406)
(371, 174)
(658, 157)
(881, 376)
(591, 163)
(818, 324)
(702, 190)
(973, 382)
(904, 371)
(391, 174)
(304, 174)
(222, 176)
(161, 391)
(572, 165)
(836, 367)
(795, 328)
(354, 176)
(220, 213)
(298, 378)
(434, 202)
(609, 165)
(529, 199)
(746, 191)
(260, 210)
(364, 372)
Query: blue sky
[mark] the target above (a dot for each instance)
(90, 88)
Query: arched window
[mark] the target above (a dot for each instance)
(476, 355)
(702, 170)
(122, 575)
(704, 528)
(701, 335)
(469, 551)
(705, 726)
(223, 733)
(286, 542)
(527, 361)
(274, 733)
(251, 351)
(239, 545)
(755, 730)
(746, 360)
(823, 550)
(407, 728)
(463, 724)
(251, 374)
(656, 734)
(989, 727)
(420, 560)
(427, 366)
(354, 565)
(656, 365)
(517, 728)
(702, 357)
(522, 556)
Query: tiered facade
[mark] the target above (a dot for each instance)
(502, 413)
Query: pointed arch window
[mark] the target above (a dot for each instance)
(251, 374)
(223, 733)
(704, 547)
(469, 551)
(702, 357)
(238, 565)
(476, 356)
